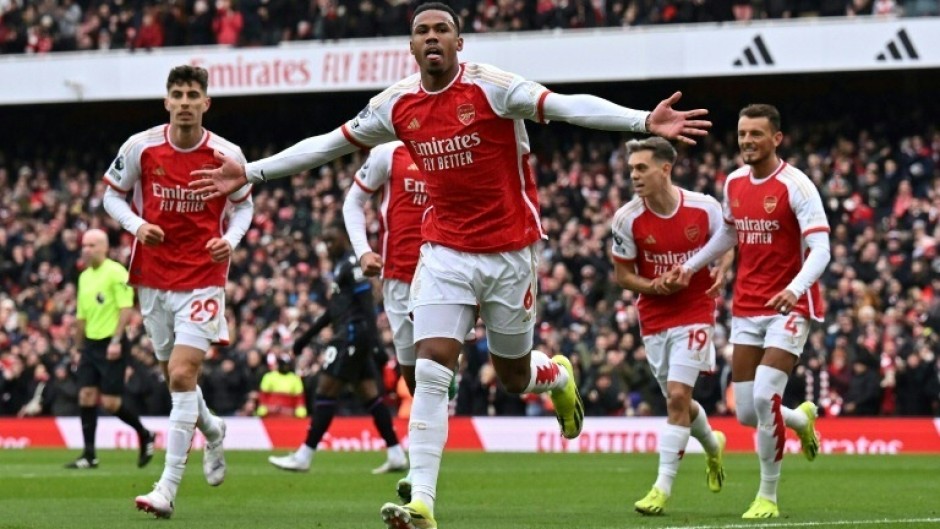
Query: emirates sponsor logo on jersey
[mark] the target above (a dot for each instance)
(418, 190)
(178, 199)
(692, 233)
(446, 153)
(756, 231)
(466, 113)
(770, 204)
(664, 261)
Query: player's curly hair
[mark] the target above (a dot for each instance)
(436, 6)
(188, 73)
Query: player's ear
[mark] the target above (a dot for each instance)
(166, 103)
(411, 47)
(778, 138)
(208, 103)
(459, 43)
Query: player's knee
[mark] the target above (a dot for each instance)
(110, 403)
(182, 377)
(678, 401)
(87, 397)
(744, 410)
(432, 376)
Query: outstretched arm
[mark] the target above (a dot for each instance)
(307, 154)
(597, 113)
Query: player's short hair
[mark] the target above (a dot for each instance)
(662, 150)
(762, 110)
(436, 6)
(188, 73)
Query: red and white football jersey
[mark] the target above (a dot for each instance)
(158, 174)
(656, 244)
(772, 216)
(469, 141)
(390, 169)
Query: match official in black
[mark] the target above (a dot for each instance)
(105, 304)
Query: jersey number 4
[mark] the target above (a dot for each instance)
(200, 308)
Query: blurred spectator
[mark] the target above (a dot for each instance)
(34, 26)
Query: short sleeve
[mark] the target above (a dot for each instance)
(623, 246)
(726, 204)
(373, 125)
(510, 95)
(375, 171)
(807, 206)
(715, 217)
(124, 171)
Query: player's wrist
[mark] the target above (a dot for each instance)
(646, 123)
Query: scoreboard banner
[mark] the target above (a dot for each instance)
(595, 55)
(883, 436)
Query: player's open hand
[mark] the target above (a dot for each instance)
(679, 125)
(371, 264)
(719, 274)
(219, 249)
(219, 182)
(783, 302)
(150, 234)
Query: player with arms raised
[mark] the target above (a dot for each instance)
(662, 226)
(774, 214)
(180, 263)
(462, 125)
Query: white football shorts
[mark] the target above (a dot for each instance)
(171, 317)
(782, 331)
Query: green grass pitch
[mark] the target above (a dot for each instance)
(477, 490)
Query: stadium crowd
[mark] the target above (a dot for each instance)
(41, 26)
(877, 353)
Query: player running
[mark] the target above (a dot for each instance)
(179, 263)
(663, 225)
(462, 125)
(774, 214)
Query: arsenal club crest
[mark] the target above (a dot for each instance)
(770, 204)
(466, 113)
(692, 233)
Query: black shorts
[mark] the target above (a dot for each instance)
(351, 360)
(95, 370)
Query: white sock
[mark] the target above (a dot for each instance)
(795, 419)
(428, 428)
(183, 417)
(744, 403)
(396, 453)
(769, 384)
(208, 423)
(304, 453)
(671, 448)
(545, 375)
(702, 431)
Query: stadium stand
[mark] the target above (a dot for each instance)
(877, 165)
(32, 26)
